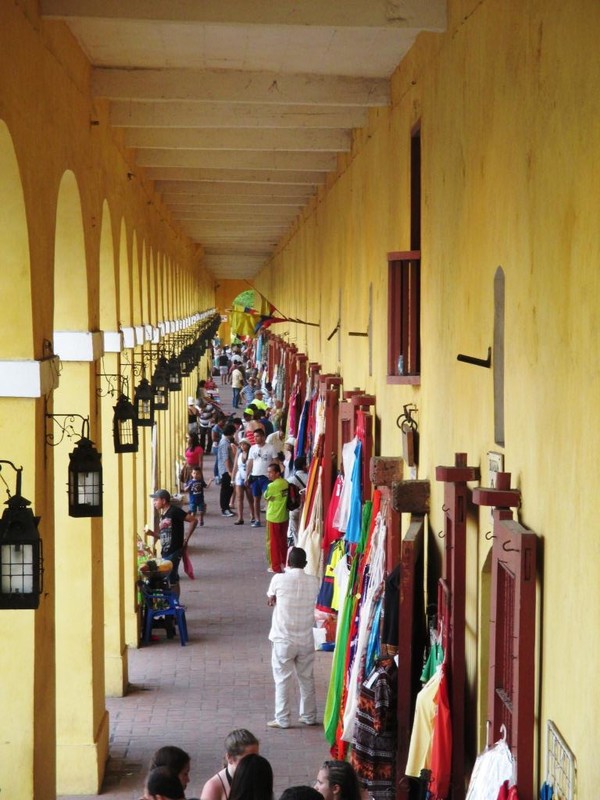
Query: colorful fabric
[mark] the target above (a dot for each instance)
(338, 664)
(441, 746)
(375, 734)
(435, 658)
(419, 752)
(330, 532)
(309, 538)
(353, 529)
(325, 598)
(373, 585)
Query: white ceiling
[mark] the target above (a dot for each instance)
(238, 108)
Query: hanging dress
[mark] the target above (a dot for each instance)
(340, 520)
(309, 538)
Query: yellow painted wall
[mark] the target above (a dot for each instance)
(509, 103)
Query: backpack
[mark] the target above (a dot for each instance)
(293, 498)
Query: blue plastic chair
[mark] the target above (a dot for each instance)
(162, 604)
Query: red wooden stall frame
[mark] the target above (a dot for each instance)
(456, 498)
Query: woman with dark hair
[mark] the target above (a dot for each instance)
(337, 781)
(238, 744)
(162, 784)
(253, 779)
(175, 760)
(194, 457)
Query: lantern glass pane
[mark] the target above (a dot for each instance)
(17, 569)
(144, 408)
(126, 431)
(89, 489)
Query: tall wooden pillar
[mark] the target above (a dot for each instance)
(456, 495)
(329, 391)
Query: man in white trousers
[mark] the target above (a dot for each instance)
(293, 594)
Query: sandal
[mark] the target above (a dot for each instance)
(239, 522)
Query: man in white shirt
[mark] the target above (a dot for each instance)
(293, 594)
(259, 457)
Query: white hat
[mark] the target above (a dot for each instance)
(290, 440)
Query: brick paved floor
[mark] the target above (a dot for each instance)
(193, 696)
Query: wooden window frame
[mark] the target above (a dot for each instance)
(404, 316)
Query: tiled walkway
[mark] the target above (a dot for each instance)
(193, 696)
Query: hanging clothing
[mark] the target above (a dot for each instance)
(419, 752)
(508, 792)
(330, 532)
(336, 680)
(353, 528)
(374, 742)
(310, 537)
(441, 745)
(370, 595)
(391, 604)
(492, 767)
(374, 643)
(435, 658)
(340, 520)
(361, 584)
(325, 598)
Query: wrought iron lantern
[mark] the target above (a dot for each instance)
(125, 426)
(21, 554)
(160, 385)
(144, 404)
(85, 480)
(84, 487)
(174, 374)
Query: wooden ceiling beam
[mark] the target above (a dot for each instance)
(239, 86)
(429, 14)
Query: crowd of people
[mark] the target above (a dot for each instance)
(246, 775)
(255, 467)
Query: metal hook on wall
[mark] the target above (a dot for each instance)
(442, 534)
(445, 509)
(489, 536)
(509, 549)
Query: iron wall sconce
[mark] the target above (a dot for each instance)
(174, 374)
(125, 424)
(21, 551)
(144, 404)
(85, 468)
(160, 385)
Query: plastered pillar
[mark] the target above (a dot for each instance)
(81, 716)
(115, 648)
(28, 692)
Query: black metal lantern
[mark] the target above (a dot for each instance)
(85, 480)
(174, 374)
(144, 404)
(125, 426)
(160, 385)
(21, 555)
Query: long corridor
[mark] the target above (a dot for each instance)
(193, 696)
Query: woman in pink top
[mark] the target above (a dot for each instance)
(194, 458)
